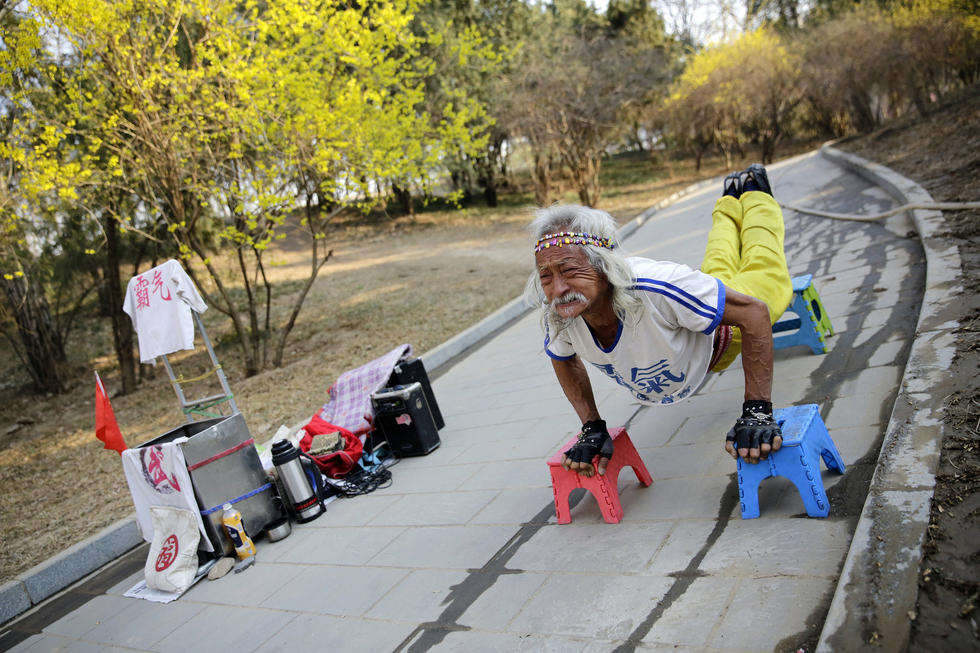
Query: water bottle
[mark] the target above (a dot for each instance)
(232, 521)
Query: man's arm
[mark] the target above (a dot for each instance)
(575, 383)
(751, 316)
(594, 440)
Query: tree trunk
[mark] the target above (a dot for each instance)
(43, 350)
(226, 305)
(122, 326)
(315, 225)
(862, 114)
(404, 197)
(542, 179)
(487, 179)
(586, 177)
(490, 195)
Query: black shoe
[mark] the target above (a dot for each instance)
(756, 179)
(732, 185)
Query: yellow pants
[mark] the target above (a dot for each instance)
(745, 251)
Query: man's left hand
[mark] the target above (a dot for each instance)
(755, 434)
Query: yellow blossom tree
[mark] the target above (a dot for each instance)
(221, 117)
(742, 89)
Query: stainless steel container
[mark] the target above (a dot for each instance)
(303, 491)
(225, 468)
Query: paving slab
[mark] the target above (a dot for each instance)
(462, 552)
(418, 598)
(798, 602)
(330, 589)
(605, 606)
(308, 632)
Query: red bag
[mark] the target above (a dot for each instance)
(337, 463)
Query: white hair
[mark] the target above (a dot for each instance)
(610, 263)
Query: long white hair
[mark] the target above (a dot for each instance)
(611, 263)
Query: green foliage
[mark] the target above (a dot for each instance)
(200, 126)
(220, 116)
(638, 20)
(480, 43)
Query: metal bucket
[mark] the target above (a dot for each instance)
(225, 468)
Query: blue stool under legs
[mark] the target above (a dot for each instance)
(812, 323)
(805, 442)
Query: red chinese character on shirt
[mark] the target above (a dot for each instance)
(142, 291)
(159, 287)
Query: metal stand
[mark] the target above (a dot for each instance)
(203, 406)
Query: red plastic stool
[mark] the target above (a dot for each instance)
(603, 488)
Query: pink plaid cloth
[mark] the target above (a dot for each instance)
(350, 397)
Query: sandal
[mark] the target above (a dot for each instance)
(221, 568)
(732, 185)
(756, 178)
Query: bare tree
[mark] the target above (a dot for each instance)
(569, 102)
(847, 71)
(696, 22)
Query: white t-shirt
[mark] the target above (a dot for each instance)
(664, 357)
(159, 302)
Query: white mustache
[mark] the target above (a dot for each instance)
(571, 296)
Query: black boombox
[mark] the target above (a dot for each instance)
(406, 413)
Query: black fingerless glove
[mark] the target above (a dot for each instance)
(593, 441)
(755, 427)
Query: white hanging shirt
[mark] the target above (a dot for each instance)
(159, 302)
(664, 357)
(157, 476)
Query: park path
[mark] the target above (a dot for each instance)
(462, 552)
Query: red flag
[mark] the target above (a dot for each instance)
(106, 427)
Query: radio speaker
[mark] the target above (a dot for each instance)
(403, 416)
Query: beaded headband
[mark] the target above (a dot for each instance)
(563, 238)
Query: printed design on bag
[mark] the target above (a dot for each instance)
(168, 552)
(404, 419)
(152, 462)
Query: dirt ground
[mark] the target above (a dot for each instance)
(942, 153)
(421, 280)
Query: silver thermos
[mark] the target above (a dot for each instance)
(303, 490)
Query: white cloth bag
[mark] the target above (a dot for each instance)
(172, 562)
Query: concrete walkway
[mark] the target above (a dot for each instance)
(463, 553)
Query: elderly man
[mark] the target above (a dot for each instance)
(658, 328)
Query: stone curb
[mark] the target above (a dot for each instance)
(878, 586)
(441, 357)
(58, 572)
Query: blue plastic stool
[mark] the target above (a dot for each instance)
(811, 322)
(805, 442)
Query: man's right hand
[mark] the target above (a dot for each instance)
(593, 441)
(755, 434)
